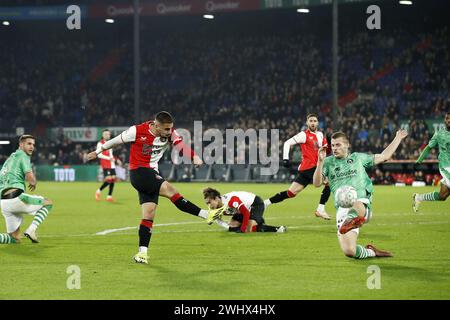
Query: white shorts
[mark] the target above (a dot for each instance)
(445, 177)
(342, 215)
(14, 209)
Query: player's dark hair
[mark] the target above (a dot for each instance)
(164, 117)
(312, 115)
(106, 130)
(338, 135)
(210, 193)
(24, 137)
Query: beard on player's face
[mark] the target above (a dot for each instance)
(28, 148)
(312, 125)
(447, 122)
(164, 129)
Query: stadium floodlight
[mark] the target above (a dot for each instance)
(405, 2)
(208, 16)
(5, 142)
(6, 23)
(303, 10)
(109, 20)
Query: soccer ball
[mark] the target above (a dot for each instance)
(345, 196)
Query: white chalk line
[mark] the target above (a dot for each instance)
(326, 224)
(102, 233)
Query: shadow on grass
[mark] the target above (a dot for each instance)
(311, 230)
(25, 249)
(406, 273)
(199, 280)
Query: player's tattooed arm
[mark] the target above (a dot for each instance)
(31, 179)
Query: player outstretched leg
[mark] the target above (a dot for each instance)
(234, 226)
(355, 217)
(442, 195)
(6, 238)
(348, 241)
(320, 212)
(169, 191)
(267, 228)
(293, 190)
(39, 217)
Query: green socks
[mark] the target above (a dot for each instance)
(6, 239)
(40, 216)
(363, 253)
(432, 196)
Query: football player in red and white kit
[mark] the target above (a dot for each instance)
(148, 141)
(108, 164)
(310, 141)
(246, 209)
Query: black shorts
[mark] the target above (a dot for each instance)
(147, 182)
(109, 172)
(305, 177)
(256, 212)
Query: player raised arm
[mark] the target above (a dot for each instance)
(297, 139)
(389, 151)
(318, 173)
(128, 135)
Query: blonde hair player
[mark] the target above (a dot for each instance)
(343, 168)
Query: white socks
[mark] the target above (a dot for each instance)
(203, 214)
(143, 249)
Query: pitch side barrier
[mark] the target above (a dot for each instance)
(216, 172)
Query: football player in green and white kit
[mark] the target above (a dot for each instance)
(441, 139)
(14, 201)
(349, 169)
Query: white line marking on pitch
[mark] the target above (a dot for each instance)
(110, 231)
(102, 233)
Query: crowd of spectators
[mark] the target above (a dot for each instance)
(242, 77)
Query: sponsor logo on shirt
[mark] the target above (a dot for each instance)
(343, 175)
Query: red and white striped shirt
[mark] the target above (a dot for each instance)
(146, 148)
(107, 160)
(239, 202)
(309, 142)
(246, 198)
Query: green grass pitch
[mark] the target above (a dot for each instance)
(191, 260)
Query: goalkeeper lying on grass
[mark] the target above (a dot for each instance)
(246, 209)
